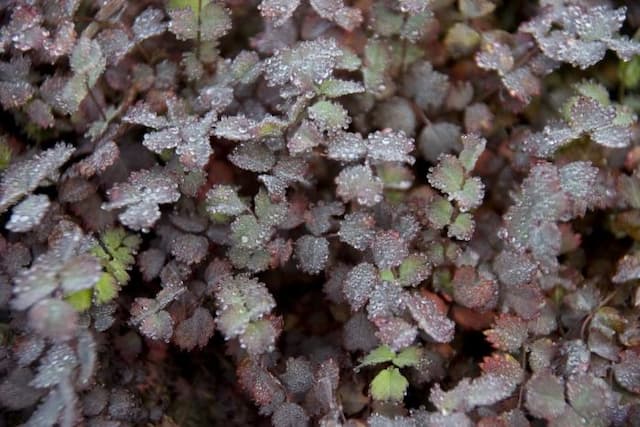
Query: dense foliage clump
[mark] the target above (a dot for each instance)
(394, 213)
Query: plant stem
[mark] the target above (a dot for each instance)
(95, 101)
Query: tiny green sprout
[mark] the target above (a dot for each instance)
(381, 354)
(387, 275)
(389, 384)
(410, 356)
(116, 250)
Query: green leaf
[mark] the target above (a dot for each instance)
(268, 212)
(625, 116)
(329, 115)
(410, 356)
(414, 269)
(448, 175)
(471, 194)
(463, 226)
(246, 67)
(473, 147)
(381, 354)
(593, 90)
(117, 270)
(180, 4)
(386, 275)
(87, 60)
(241, 300)
(349, 60)
(440, 212)
(260, 335)
(106, 289)
(247, 233)
(413, 30)
(123, 256)
(377, 60)
(389, 385)
(334, 88)
(116, 252)
(270, 126)
(224, 199)
(385, 22)
(113, 238)
(80, 300)
(132, 242)
(215, 21)
(629, 72)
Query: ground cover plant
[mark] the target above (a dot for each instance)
(392, 213)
